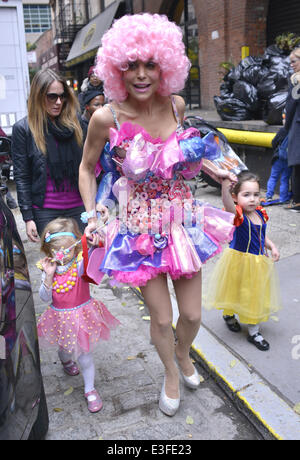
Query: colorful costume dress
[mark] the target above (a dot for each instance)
(244, 280)
(160, 227)
(74, 321)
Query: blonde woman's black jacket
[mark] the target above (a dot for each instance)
(30, 171)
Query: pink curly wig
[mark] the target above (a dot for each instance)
(142, 37)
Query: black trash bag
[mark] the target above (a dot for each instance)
(237, 73)
(276, 61)
(281, 64)
(233, 75)
(249, 61)
(281, 74)
(232, 109)
(266, 86)
(252, 74)
(273, 50)
(281, 82)
(246, 93)
(225, 88)
(274, 108)
(262, 74)
(203, 126)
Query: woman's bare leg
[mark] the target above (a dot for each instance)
(188, 293)
(157, 299)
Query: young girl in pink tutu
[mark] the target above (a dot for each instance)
(74, 322)
(148, 158)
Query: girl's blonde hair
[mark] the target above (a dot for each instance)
(37, 114)
(61, 224)
(295, 78)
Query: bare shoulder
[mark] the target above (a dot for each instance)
(100, 122)
(103, 117)
(180, 105)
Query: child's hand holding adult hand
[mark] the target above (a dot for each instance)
(224, 174)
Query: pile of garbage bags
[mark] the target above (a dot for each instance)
(256, 88)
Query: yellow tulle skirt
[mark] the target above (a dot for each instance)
(244, 284)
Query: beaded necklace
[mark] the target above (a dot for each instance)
(68, 285)
(259, 235)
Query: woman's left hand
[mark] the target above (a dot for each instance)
(223, 174)
(31, 231)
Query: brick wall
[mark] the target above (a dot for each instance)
(224, 26)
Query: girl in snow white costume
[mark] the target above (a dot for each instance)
(147, 159)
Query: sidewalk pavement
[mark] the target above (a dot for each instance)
(129, 376)
(265, 386)
(266, 383)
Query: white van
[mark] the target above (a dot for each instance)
(14, 75)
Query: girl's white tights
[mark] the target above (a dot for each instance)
(254, 329)
(87, 367)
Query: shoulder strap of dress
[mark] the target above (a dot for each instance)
(175, 111)
(115, 117)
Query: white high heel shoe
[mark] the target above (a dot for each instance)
(168, 405)
(193, 381)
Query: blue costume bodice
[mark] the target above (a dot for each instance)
(249, 237)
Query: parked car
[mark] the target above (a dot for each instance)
(6, 166)
(23, 408)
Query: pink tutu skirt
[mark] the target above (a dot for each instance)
(136, 258)
(76, 330)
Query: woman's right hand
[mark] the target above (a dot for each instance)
(31, 231)
(95, 237)
(89, 230)
(103, 211)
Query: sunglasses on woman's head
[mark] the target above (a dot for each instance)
(53, 96)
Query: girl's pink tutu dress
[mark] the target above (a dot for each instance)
(160, 227)
(74, 321)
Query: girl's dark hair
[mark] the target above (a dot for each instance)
(245, 176)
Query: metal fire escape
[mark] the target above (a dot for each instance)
(69, 19)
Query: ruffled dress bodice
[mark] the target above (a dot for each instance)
(160, 227)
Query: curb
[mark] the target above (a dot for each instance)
(269, 413)
(251, 394)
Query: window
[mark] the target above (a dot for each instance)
(37, 18)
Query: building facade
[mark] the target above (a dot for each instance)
(37, 18)
(214, 32)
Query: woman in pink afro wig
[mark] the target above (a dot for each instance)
(142, 37)
(142, 63)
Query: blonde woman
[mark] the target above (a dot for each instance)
(46, 151)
